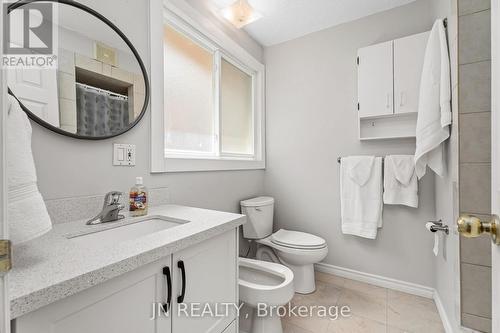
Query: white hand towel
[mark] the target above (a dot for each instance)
(361, 195)
(434, 109)
(400, 181)
(27, 214)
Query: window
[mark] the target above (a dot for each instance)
(236, 110)
(196, 123)
(212, 114)
(189, 95)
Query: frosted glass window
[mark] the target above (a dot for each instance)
(236, 103)
(189, 95)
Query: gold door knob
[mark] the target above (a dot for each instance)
(471, 226)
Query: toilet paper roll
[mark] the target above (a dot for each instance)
(435, 249)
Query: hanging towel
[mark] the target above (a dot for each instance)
(400, 181)
(434, 107)
(27, 215)
(361, 195)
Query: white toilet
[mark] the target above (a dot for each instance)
(297, 250)
(262, 282)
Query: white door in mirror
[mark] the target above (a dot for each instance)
(37, 90)
(123, 154)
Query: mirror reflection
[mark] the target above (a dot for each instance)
(97, 89)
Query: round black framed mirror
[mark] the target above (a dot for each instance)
(99, 87)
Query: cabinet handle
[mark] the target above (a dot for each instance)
(180, 264)
(402, 99)
(166, 273)
(388, 102)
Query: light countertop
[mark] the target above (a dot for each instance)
(52, 267)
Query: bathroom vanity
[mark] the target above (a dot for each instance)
(113, 277)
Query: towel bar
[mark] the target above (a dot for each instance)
(339, 159)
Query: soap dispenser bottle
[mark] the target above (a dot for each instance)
(138, 198)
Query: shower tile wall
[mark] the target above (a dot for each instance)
(474, 56)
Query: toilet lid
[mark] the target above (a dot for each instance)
(297, 239)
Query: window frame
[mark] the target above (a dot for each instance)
(185, 21)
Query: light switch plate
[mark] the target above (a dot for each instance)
(123, 154)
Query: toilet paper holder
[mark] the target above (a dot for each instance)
(439, 226)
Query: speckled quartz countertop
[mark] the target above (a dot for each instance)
(53, 267)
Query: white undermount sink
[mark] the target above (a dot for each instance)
(123, 231)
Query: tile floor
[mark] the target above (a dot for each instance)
(373, 309)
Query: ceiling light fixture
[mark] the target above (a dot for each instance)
(240, 13)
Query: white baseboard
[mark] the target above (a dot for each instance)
(448, 328)
(389, 283)
(377, 280)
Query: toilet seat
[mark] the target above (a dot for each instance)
(300, 260)
(284, 274)
(262, 281)
(297, 240)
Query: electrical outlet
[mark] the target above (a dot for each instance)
(123, 154)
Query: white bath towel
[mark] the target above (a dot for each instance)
(400, 181)
(434, 109)
(27, 214)
(361, 195)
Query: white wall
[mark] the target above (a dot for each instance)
(311, 120)
(68, 167)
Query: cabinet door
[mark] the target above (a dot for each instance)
(210, 280)
(375, 80)
(408, 63)
(123, 304)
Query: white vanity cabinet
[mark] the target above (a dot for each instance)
(389, 87)
(125, 304)
(210, 279)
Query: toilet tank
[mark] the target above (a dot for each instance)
(259, 212)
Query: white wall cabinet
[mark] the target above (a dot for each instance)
(389, 86)
(125, 304)
(408, 63)
(375, 80)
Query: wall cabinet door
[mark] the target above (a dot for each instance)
(375, 80)
(210, 272)
(123, 304)
(408, 63)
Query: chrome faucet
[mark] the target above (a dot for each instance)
(110, 210)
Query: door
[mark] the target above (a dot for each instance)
(4, 298)
(126, 304)
(408, 63)
(207, 273)
(37, 90)
(375, 80)
(495, 156)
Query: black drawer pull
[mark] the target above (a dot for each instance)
(166, 273)
(180, 264)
